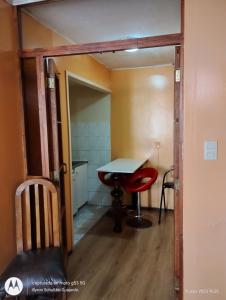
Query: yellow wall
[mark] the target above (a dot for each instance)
(35, 35)
(82, 65)
(205, 119)
(142, 119)
(12, 167)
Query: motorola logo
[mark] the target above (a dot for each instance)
(13, 286)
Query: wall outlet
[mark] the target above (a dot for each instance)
(156, 145)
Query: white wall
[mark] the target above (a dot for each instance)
(90, 136)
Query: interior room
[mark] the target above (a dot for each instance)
(132, 119)
(109, 145)
(126, 264)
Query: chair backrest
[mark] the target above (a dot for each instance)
(141, 180)
(166, 173)
(37, 215)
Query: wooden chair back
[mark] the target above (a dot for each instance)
(37, 215)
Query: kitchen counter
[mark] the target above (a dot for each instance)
(77, 163)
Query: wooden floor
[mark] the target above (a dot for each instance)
(134, 265)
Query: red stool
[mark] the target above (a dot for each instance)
(138, 182)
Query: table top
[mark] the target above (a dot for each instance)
(122, 165)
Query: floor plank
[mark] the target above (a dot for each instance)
(135, 265)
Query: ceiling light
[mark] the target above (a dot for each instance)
(131, 50)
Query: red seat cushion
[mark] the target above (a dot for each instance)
(141, 180)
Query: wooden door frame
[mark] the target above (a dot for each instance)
(119, 45)
(109, 46)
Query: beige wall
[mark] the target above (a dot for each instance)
(205, 119)
(11, 165)
(142, 120)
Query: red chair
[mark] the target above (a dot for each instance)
(138, 182)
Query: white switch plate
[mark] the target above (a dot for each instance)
(210, 150)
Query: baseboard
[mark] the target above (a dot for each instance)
(150, 208)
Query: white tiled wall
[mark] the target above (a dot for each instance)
(91, 142)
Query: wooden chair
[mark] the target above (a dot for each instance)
(39, 257)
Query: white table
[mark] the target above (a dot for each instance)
(120, 165)
(123, 165)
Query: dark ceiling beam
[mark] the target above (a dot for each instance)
(109, 46)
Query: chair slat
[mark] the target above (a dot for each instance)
(55, 212)
(27, 219)
(46, 219)
(37, 216)
(50, 219)
(19, 227)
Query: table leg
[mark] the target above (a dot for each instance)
(117, 209)
(134, 201)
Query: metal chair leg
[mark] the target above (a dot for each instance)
(138, 206)
(164, 199)
(137, 221)
(160, 207)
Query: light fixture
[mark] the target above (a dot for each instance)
(132, 50)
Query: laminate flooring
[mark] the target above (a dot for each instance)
(137, 264)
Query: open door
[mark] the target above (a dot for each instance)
(178, 208)
(43, 126)
(37, 153)
(56, 165)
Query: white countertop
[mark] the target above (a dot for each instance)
(122, 165)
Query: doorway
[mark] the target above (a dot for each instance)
(142, 126)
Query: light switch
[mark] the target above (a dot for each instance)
(210, 150)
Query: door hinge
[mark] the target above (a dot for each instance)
(51, 83)
(177, 285)
(177, 184)
(56, 175)
(177, 75)
(64, 167)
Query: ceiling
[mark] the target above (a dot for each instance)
(140, 58)
(86, 21)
